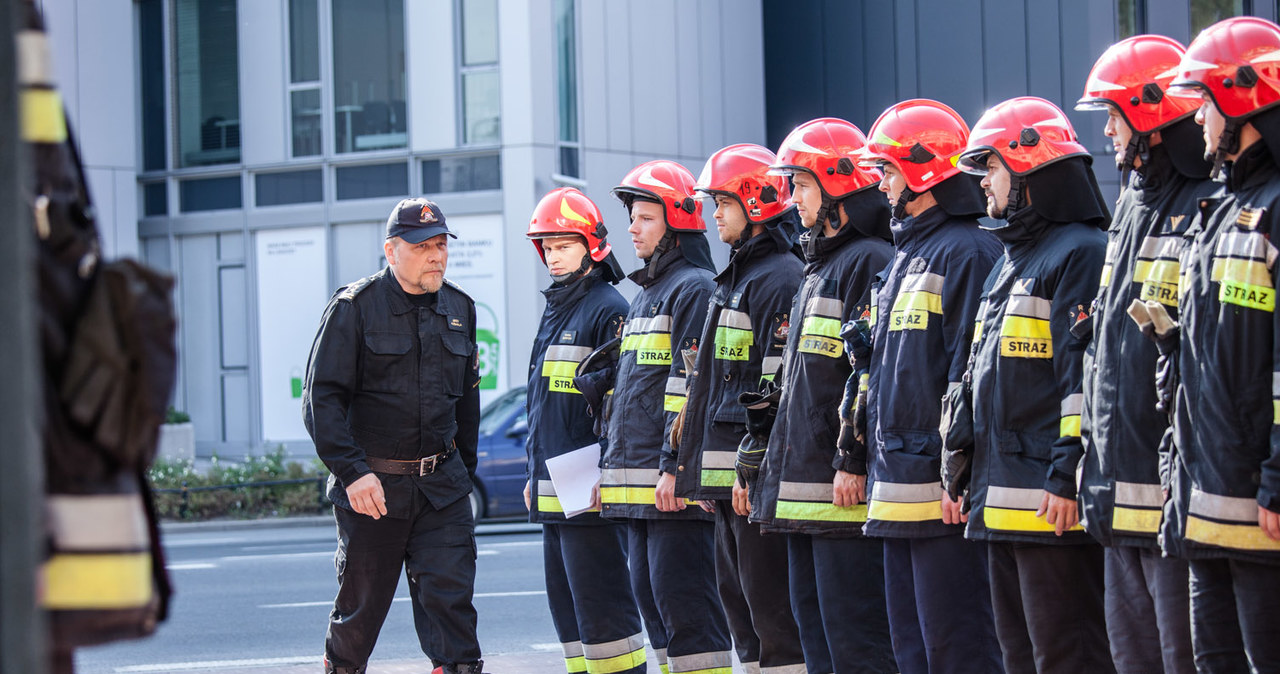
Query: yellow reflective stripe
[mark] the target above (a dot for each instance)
(42, 118)
(1069, 427)
(890, 511)
(562, 385)
(1275, 412)
(1022, 326)
(1009, 519)
(820, 512)
(672, 403)
(1138, 520)
(1253, 272)
(1247, 295)
(631, 495)
(98, 581)
(653, 340)
(1141, 269)
(1236, 536)
(818, 325)
(1106, 276)
(977, 331)
(618, 663)
(662, 667)
(559, 368)
(823, 346)
(575, 665)
(733, 343)
(1023, 337)
(551, 504)
(918, 300)
(717, 477)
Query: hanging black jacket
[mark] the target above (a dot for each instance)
(578, 318)
(1226, 460)
(1120, 497)
(1027, 374)
(744, 335)
(665, 319)
(794, 490)
(925, 305)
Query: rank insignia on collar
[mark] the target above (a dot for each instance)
(1249, 218)
(568, 336)
(1022, 286)
(735, 300)
(455, 322)
(917, 265)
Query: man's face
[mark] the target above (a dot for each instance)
(419, 267)
(1211, 118)
(564, 254)
(806, 194)
(1120, 133)
(996, 186)
(647, 227)
(892, 183)
(731, 220)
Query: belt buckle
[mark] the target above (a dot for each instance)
(422, 465)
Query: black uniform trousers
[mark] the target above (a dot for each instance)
(751, 570)
(673, 576)
(1148, 611)
(837, 596)
(589, 593)
(1235, 614)
(939, 605)
(1048, 607)
(437, 551)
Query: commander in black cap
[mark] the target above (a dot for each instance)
(392, 403)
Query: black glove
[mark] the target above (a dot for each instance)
(851, 444)
(956, 428)
(1154, 321)
(857, 339)
(762, 410)
(595, 378)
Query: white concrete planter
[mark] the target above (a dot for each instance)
(177, 442)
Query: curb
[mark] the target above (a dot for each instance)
(482, 529)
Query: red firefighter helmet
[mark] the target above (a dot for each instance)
(1132, 77)
(827, 148)
(1027, 133)
(742, 172)
(921, 138)
(669, 184)
(1236, 62)
(566, 212)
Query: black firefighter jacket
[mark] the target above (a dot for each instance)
(578, 318)
(1120, 498)
(665, 319)
(743, 339)
(393, 380)
(794, 491)
(1027, 374)
(923, 309)
(1226, 459)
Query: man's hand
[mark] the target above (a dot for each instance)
(595, 496)
(951, 510)
(664, 495)
(741, 502)
(1270, 523)
(366, 496)
(708, 506)
(1060, 512)
(528, 495)
(848, 489)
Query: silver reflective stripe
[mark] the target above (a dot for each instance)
(926, 281)
(805, 491)
(649, 324)
(1150, 247)
(102, 521)
(1139, 494)
(699, 661)
(1014, 497)
(824, 306)
(1231, 508)
(751, 667)
(721, 460)
(901, 492)
(952, 385)
(770, 365)
(572, 649)
(735, 319)
(784, 669)
(647, 477)
(612, 649)
(33, 58)
(1027, 305)
(546, 488)
(675, 386)
(1275, 384)
(573, 354)
(1072, 404)
(661, 654)
(1242, 244)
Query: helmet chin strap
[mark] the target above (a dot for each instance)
(569, 277)
(1228, 144)
(828, 213)
(743, 238)
(1016, 191)
(1138, 147)
(666, 243)
(907, 196)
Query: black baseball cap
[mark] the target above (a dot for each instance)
(416, 220)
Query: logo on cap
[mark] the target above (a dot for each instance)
(427, 216)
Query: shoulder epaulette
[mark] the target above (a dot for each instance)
(458, 288)
(348, 292)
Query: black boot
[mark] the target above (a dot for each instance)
(476, 667)
(330, 668)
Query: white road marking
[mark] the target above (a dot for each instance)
(192, 565)
(219, 664)
(478, 595)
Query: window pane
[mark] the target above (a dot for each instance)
(304, 41)
(209, 194)
(381, 180)
(569, 161)
(567, 70)
(1126, 18)
(479, 32)
(305, 107)
(207, 81)
(368, 75)
(151, 81)
(461, 174)
(480, 108)
(1205, 13)
(155, 199)
(296, 187)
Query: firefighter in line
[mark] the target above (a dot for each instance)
(670, 544)
(1223, 507)
(804, 488)
(584, 557)
(1160, 151)
(923, 311)
(742, 344)
(1031, 331)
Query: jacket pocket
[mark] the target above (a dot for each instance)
(923, 444)
(1031, 445)
(456, 359)
(388, 362)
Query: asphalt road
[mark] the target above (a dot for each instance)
(260, 596)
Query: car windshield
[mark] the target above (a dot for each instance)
(497, 411)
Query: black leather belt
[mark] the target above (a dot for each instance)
(424, 466)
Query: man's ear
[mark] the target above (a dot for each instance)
(389, 250)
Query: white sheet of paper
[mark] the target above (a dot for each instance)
(574, 475)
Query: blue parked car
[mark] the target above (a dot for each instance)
(500, 470)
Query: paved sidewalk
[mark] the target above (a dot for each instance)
(520, 663)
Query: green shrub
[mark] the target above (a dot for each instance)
(239, 493)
